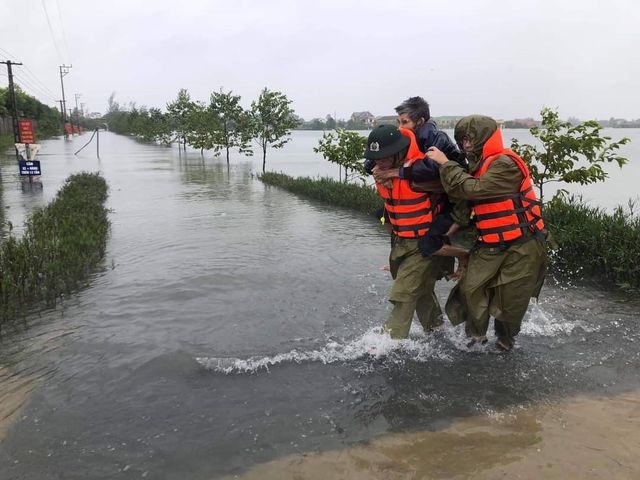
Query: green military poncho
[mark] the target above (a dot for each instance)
(498, 282)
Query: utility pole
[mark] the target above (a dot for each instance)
(64, 69)
(61, 112)
(71, 120)
(14, 103)
(77, 95)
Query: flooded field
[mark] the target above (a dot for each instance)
(233, 330)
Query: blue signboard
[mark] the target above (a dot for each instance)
(30, 167)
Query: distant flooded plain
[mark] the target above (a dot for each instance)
(233, 330)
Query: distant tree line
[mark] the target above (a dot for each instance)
(329, 123)
(47, 119)
(618, 123)
(220, 125)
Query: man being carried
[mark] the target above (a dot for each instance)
(411, 215)
(424, 176)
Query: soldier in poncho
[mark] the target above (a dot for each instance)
(508, 262)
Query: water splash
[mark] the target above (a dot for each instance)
(540, 323)
(372, 345)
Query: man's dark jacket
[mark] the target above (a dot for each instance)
(424, 170)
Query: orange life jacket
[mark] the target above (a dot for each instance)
(410, 212)
(507, 219)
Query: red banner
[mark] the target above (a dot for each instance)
(25, 128)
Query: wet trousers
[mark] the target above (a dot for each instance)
(498, 283)
(412, 291)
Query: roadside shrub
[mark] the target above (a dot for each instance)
(595, 244)
(62, 243)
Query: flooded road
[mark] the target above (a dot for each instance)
(234, 324)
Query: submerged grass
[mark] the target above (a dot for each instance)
(62, 243)
(358, 197)
(592, 244)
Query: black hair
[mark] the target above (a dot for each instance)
(416, 108)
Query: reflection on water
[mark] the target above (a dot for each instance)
(233, 323)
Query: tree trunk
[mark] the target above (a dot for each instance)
(264, 159)
(227, 154)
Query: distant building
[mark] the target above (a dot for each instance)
(446, 122)
(363, 118)
(387, 120)
(527, 122)
(520, 123)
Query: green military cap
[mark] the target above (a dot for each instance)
(385, 141)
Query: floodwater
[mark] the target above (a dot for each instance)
(233, 330)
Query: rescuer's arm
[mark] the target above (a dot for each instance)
(424, 170)
(502, 178)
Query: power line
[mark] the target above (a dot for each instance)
(64, 33)
(53, 37)
(28, 86)
(12, 57)
(32, 76)
(29, 73)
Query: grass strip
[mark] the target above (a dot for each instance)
(362, 198)
(595, 244)
(61, 245)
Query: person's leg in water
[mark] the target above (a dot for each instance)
(477, 294)
(413, 284)
(399, 322)
(427, 306)
(518, 281)
(506, 333)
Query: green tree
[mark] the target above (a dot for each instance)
(202, 124)
(271, 121)
(569, 153)
(112, 105)
(179, 111)
(346, 149)
(47, 119)
(160, 127)
(316, 124)
(232, 122)
(330, 123)
(117, 119)
(150, 125)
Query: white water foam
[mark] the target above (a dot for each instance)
(539, 323)
(374, 344)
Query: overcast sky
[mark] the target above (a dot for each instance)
(501, 58)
